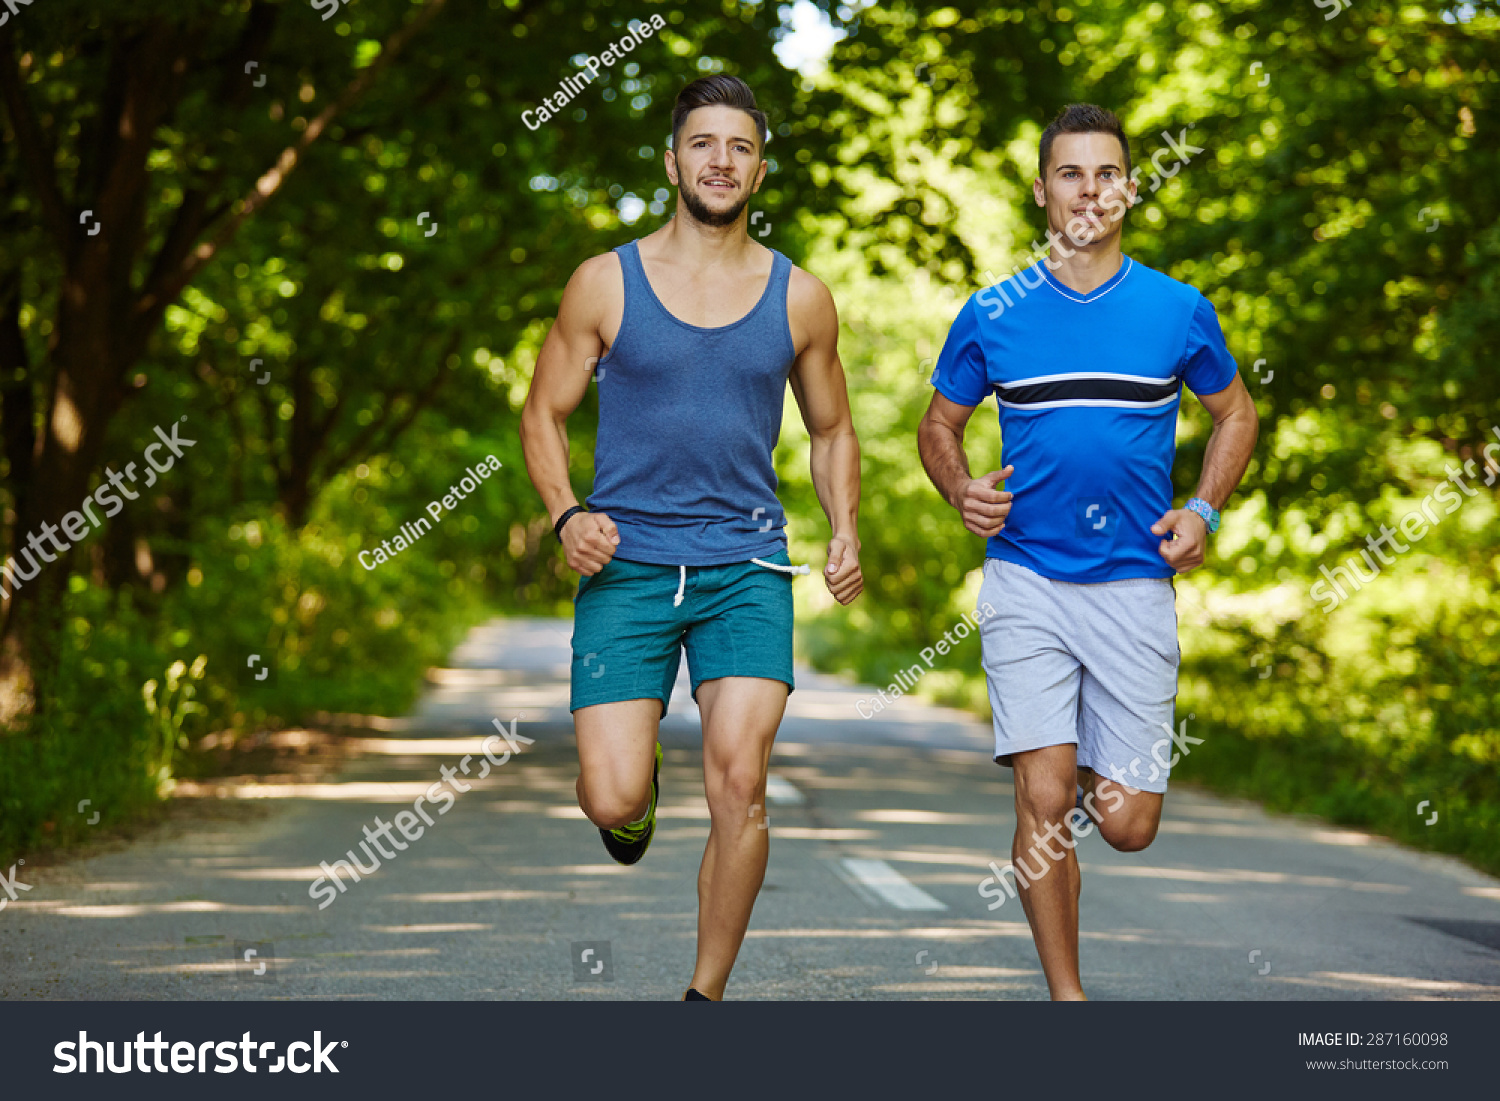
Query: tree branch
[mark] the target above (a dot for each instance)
(170, 286)
(193, 213)
(36, 150)
(17, 396)
(363, 444)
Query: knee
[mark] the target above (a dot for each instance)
(1129, 836)
(1044, 802)
(733, 789)
(609, 809)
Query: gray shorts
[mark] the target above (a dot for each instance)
(1092, 665)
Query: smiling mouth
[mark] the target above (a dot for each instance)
(719, 185)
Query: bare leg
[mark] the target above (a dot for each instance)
(1046, 789)
(740, 719)
(1127, 818)
(616, 753)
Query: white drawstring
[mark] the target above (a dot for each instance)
(682, 575)
(780, 568)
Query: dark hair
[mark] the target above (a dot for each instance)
(1081, 118)
(717, 91)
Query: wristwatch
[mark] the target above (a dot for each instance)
(1207, 511)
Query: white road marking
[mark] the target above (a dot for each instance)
(890, 884)
(781, 791)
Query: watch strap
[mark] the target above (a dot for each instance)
(564, 518)
(1207, 511)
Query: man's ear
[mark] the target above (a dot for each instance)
(670, 159)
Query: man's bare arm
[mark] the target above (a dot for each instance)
(1225, 458)
(817, 380)
(1230, 444)
(940, 442)
(563, 371)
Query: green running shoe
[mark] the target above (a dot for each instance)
(629, 843)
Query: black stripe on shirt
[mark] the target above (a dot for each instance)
(1088, 389)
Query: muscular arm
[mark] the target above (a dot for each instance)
(563, 370)
(817, 380)
(940, 441)
(1230, 445)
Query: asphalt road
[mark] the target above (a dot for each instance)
(882, 830)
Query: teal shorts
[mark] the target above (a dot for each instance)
(629, 632)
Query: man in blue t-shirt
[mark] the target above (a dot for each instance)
(1086, 353)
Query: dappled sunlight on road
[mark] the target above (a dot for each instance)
(1392, 986)
(929, 818)
(1239, 875)
(499, 895)
(136, 909)
(878, 854)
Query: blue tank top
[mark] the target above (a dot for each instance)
(688, 419)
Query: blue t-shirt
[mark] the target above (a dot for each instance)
(1088, 388)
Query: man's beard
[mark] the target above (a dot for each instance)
(702, 214)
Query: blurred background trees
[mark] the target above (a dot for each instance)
(257, 174)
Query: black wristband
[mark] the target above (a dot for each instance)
(563, 519)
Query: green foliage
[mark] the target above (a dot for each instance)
(389, 360)
(167, 715)
(1344, 218)
(96, 742)
(1407, 712)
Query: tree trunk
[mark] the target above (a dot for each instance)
(103, 323)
